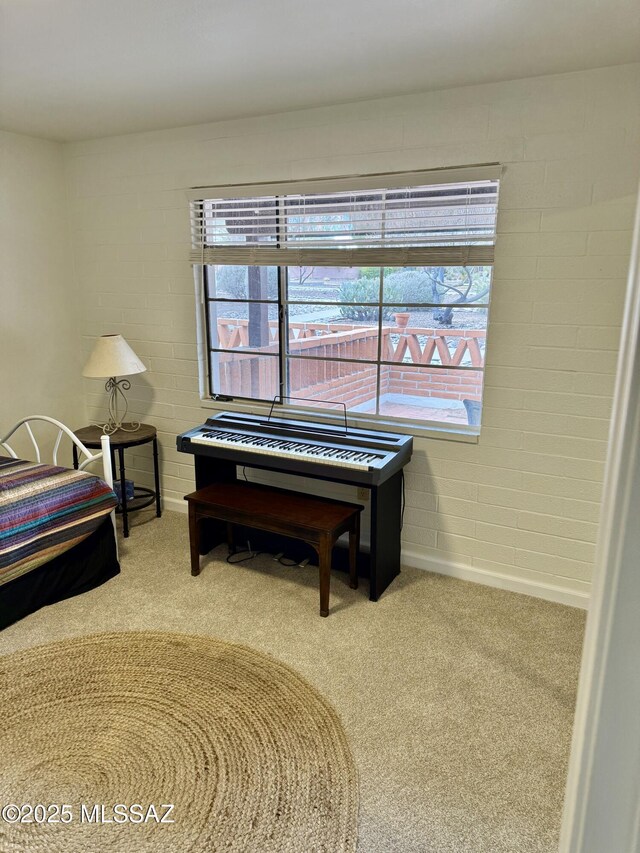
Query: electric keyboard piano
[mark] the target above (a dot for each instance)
(369, 458)
(331, 452)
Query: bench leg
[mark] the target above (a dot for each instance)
(230, 542)
(354, 547)
(194, 544)
(324, 560)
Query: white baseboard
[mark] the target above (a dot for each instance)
(175, 505)
(549, 591)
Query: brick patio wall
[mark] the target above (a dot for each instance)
(350, 382)
(443, 384)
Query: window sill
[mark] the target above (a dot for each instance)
(461, 433)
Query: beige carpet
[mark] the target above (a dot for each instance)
(457, 699)
(168, 743)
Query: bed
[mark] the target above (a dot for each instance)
(57, 530)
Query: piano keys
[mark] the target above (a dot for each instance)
(367, 458)
(358, 456)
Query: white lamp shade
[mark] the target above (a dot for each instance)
(112, 356)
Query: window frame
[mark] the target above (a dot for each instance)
(210, 399)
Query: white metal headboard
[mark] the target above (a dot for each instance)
(63, 430)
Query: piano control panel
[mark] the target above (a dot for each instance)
(337, 452)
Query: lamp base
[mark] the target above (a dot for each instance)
(110, 427)
(116, 388)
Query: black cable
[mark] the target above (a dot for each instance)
(403, 500)
(284, 561)
(241, 559)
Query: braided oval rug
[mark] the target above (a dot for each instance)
(100, 735)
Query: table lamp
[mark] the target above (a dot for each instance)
(111, 357)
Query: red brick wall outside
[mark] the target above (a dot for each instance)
(247, 375)
(443, 384)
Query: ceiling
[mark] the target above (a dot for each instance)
(79, 69)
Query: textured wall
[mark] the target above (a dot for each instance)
(40, 343)
(520, 508)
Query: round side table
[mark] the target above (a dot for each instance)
(119, 441)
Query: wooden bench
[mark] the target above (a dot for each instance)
(317, 521)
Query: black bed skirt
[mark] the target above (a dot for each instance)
(85, 566)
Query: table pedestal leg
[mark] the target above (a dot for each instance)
(156, 475)
(123, 498)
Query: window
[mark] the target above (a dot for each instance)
(344, 293)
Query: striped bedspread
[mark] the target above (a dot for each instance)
(44, 511)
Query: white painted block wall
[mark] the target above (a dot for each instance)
(40, 339)
(520, 509)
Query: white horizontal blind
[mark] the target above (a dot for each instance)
(426, 224)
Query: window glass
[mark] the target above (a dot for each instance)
(420, 359)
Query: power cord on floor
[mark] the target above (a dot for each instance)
(285, 561)
(240, 558)
(249, 554)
